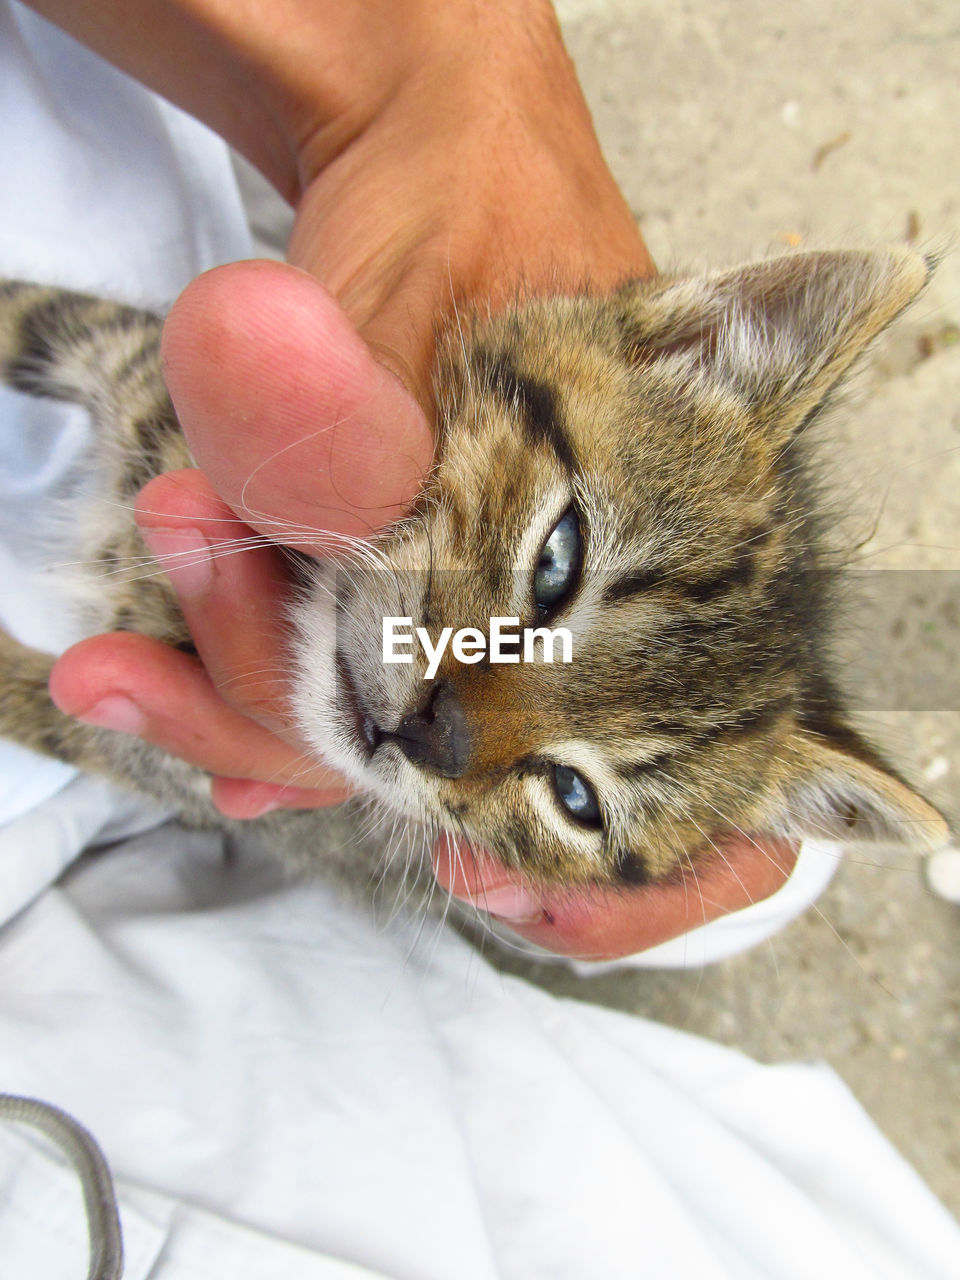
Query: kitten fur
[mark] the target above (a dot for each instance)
(670, 418)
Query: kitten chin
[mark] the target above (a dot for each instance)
(629, 469)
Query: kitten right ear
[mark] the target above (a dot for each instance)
(829, 788)
(779, 334)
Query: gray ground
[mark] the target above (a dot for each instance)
(737, 129)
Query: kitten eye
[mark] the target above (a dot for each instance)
(576, 795)
(559, 562)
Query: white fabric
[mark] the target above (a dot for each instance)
(267, 1054)
(105, 188)
(282, 1087)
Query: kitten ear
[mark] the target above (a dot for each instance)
(839, 789)
(779, 333)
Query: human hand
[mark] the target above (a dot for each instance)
(604, 923)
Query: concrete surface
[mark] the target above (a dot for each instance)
(739, 128)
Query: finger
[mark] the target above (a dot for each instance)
(599, 923)
(234, 599)
(242, 798)
(286, 410)
(484, 883)
(133, 684)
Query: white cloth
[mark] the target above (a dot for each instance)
(260, 1053)
(282, 1086)
(104, 188)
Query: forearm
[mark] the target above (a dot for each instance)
(437, 152)
(289, 83)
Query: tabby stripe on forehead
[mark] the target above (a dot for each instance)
(739, 574)
(748, 720)
(632, 769)
(538, 406)
(700, 591)
(632, 585)
(690, 736)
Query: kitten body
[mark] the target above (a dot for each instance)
(630, 468)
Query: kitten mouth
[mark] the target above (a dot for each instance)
(369, 735)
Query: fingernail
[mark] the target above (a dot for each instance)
(184, 556)
(509, 902)
(247, 811)
(115, 712)
(270, 806)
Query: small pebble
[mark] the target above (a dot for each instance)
(938, 768)
(942, 871)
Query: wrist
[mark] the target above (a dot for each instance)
(479, 179)
(292, 82)
(382, 51)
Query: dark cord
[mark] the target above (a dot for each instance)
(100, 1200)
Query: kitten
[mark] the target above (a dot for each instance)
(630, 468)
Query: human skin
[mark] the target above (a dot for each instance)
(437, 155)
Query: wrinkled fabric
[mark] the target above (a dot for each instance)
(268, 1054)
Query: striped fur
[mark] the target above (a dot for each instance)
(670, 416)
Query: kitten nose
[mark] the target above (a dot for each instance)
(436, 737)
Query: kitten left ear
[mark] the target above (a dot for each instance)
(829, 789)
(779, 333)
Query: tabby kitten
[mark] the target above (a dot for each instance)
(630, 468)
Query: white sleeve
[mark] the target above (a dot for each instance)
(105, 188)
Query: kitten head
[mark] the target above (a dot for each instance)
(630, 469)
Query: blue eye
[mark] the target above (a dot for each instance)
(576, 795)
(558, 563)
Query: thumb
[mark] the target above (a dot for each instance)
(296, 425)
